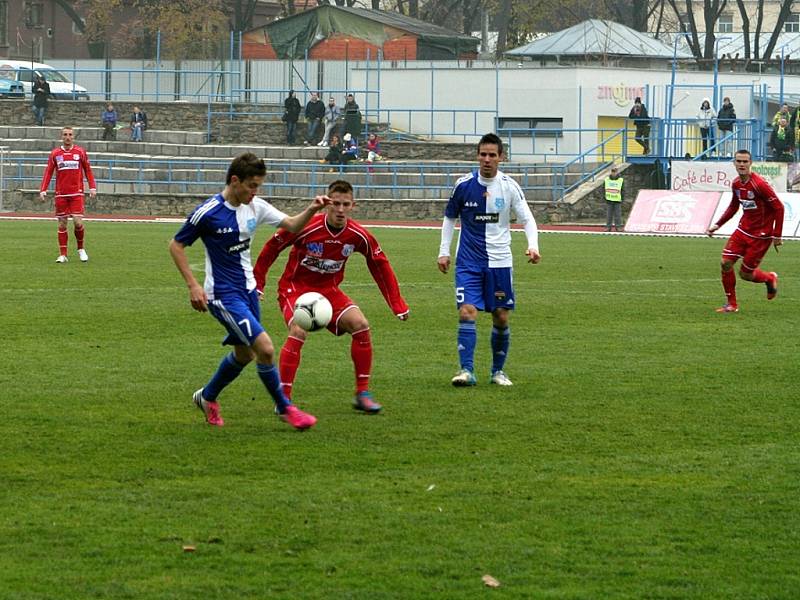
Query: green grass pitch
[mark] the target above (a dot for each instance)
(648, 449)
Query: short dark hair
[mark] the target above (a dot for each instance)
(491, 138)
(744, 151)
(340, 186)
(246, 165)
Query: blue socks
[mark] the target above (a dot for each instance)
(272, 381)
(227, 371)
(467, 335)
(501, 338)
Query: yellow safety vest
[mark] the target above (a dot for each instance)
(614, 189)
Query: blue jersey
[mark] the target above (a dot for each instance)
(226, 232)
(484, 208)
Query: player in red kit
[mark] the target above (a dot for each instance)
(316, 264)
(70, 164)
(760, 227)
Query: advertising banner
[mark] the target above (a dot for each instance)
(696, 176)
(665, 211)
(791, 215)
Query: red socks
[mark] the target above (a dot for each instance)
(729, 285)
(289, 363)
(760, 276)
(79, 231)
(63, 236)
(361, 353)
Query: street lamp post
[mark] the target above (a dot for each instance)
(671, 95)
(716, 67)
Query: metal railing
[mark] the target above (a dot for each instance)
(430, 179)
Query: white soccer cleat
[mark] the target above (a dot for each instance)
(82, 255)
(500, 378)
(62, 259)
(464, 378)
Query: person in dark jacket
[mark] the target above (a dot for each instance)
(138, 124)
(315, 111)
(41, 96)
(782, 141)
(352, 117)
(291, 113)
(725, 121)
(334, 156)
(642, 122)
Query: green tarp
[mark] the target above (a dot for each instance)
(292, 36)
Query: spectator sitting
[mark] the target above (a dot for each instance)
(373, 151)
(334, 156)
(138, 124)
(109, 120)
(350, 150)
(782, 142)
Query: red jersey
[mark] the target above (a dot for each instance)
(319, 255)
(70, 166)
(762, 211)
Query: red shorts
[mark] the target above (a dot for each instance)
(340, 303)
(69, 206)
(750, 249)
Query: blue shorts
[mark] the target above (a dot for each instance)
(240, 316)
(485, 288)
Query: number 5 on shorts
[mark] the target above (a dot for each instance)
(459, 295)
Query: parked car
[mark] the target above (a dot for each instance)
(24, 72)
(10, 88)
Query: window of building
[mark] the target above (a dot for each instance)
(725, 24)
(792, 24)
(34, 14)
(686, 25)
(522, 126)
(75, 29)
(3, 23)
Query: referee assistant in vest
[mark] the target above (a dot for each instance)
(613, 189)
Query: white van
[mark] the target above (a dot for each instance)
(25, 71)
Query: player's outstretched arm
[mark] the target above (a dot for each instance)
(197, 295)
(296, 222)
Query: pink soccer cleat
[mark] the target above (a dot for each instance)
(210, 409)
(772, 285)
(728, 308)
(297, 418)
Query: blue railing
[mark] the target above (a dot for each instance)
(392, 177)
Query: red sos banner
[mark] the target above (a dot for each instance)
(666, 211)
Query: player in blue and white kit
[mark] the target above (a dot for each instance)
(226, 223)
(483, 201)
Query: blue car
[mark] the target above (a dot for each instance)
(11, 89)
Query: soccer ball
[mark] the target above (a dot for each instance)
(312, 311)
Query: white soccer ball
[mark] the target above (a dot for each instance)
(312, 311)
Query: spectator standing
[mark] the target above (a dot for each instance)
(705, 121)
(108, 119)
(352, 117)
(315, 112)
(642, 122)
(726, 119)
(332, 115)
(41, 98)
(226, 224)
(783, 113)
(781, 141)
(70, 164)
(614, 198)
(138, 124)
(291, 113)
